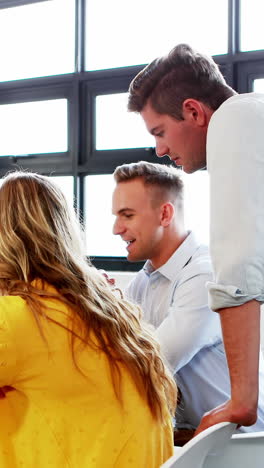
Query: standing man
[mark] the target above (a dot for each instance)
(171, 287)
(198, 120)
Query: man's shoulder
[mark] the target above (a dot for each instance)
(201, 258)
(198, 264)
(202, 254)
(240, 106)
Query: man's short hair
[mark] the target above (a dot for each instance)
(165, 179)
(181, 74)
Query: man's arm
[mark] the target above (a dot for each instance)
(241, 332)
(235, 156)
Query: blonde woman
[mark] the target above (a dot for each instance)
(82, 382)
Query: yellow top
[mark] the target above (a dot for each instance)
(56, 417)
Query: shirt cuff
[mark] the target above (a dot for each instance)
(223, 296)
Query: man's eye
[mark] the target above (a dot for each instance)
(160, 134)
(128, 215)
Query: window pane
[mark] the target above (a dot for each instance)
(252, 12)
(37, 40)
(99, 219)
(258, 85)
(197, 204)
(116, 127)
(135, 34)
(65, 183)
(33, 127)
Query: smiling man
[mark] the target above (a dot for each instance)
(171, 287)
(143, 225)
(198, 121)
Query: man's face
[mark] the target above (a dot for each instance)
(137, 220)
(184, 141)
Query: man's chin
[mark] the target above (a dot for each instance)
(192, 169)
(133, 258)
(188, 170)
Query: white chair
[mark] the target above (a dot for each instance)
(245, 450)
(194, 453)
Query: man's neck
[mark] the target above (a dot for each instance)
(171, 244)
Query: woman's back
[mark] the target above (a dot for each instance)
(60, 415)
(66, 344)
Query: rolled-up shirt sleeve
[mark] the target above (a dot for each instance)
(235, 161)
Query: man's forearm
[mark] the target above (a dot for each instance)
(241, 334)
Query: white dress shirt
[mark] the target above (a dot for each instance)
(235, 161)
(174, 300)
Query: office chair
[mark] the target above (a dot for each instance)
(194, 453)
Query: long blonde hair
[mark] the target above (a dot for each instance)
(41, 238)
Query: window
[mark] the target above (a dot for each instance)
(65, 70)
(196, 208)
(117, 128)
(100, 240)
(146, 29)
(33, 127)
(65, 183)
(37, 39)
(252, 12)
(259, 85)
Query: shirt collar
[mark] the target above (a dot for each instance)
(177, 261)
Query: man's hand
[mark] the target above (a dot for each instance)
(241, 334)
(227, 412)
(110, 281)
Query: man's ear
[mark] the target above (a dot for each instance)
(195, 111)
(167, 213)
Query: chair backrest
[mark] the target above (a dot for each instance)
(210, 441)
(242, 451)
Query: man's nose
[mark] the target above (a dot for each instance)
(161, 150)
(118, 228)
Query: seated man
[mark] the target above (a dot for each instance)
(171, 287)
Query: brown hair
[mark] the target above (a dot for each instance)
(40, 238)
(168, 81)
(165, 179)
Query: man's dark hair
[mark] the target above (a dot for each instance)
(168, 81)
